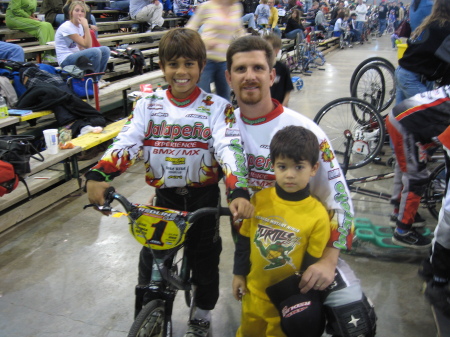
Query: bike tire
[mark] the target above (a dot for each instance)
(349, 115)
(367, 61)
(435, 190)
(319, 59)
(151, 321)
(370, 86)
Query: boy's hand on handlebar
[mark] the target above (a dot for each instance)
(96, 193)
(241, 208)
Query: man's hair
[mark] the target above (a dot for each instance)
(247, 44)
(296, 143)
(274, 40)
(72, 5)
(182, 42)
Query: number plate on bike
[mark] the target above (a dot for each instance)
(159, 228)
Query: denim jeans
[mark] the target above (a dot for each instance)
(98, 56)
(293, 34)
(122, 5)
(408, 84)
(250, 18)
(382, 23)
(215, 72)
(10, 51)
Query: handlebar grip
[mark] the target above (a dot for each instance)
(224, 211)
(109, 195)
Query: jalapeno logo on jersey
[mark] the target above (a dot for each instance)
(175, 131)
(327, 154)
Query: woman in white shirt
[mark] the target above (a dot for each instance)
(338, 26)
(72, 40)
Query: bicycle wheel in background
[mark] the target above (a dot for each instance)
(367, 61)
(370, 85)
(435, 190)
(151, 321)
(355, 129)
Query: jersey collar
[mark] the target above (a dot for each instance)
(181, 103)
(267, 118)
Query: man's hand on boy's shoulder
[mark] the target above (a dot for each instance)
(241, 208)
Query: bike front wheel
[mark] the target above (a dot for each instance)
(355, 129)
(435, 190)
(152, 321)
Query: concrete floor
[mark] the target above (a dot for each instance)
(69, 272)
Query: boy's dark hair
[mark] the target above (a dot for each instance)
(296, 143)
(274, 40)
(182, 42)
(246, 44)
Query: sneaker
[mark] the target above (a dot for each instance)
(350, 46)
(425, 270)
(103, 83)
(419, 222)
(125, 18)
(411, 239)
(439, 297)
(158, 29)
(134, 29)
(49, 59)
(197, 328)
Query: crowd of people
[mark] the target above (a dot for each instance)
(214, 47)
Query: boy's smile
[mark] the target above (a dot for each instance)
(182, 75)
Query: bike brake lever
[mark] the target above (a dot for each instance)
(99, 207)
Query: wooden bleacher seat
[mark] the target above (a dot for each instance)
(89, 140)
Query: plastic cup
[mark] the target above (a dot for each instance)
(51, 140)
(41, 17)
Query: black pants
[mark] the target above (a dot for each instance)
(203, 242)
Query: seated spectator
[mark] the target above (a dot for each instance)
(262, 13)
(89, 17)
(149, 11)
(20, 15)
(320, 21)
(120, 5)
(73, 40)
(355, 34)
(273, 18)
(53, 11)
(294, 26)
(311, 14)
(10, 51)
(338, 26)
(168, 8)
(249, 16)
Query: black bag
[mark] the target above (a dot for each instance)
(17, 150)
(403, 29)
(302, 315)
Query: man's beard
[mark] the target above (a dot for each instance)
(251, 98)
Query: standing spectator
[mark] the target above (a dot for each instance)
(221, 21)
(422, 59)
(401, 11)
(294, 26)
(361, 11)
(419, 10)
(20, 15)
(53, 10)
(149, 11)
(262, 13)
(73, 40)
(355, 35)
(282, 84)
(382, 17)
(273, 19)
(11, 51)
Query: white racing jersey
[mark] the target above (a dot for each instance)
(184, 143)
(329, 185)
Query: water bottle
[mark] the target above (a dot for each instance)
(3, 108)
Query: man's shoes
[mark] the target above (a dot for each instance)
(419, 222)
(350, 46)
(158, 29)
(49, 59)
(125, 18)
(197, 328)
(411, 239)
(439, 297)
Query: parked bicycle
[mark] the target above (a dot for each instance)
(163, 231)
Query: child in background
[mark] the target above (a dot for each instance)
(288, 232)
(282, 86)
(262, 13)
